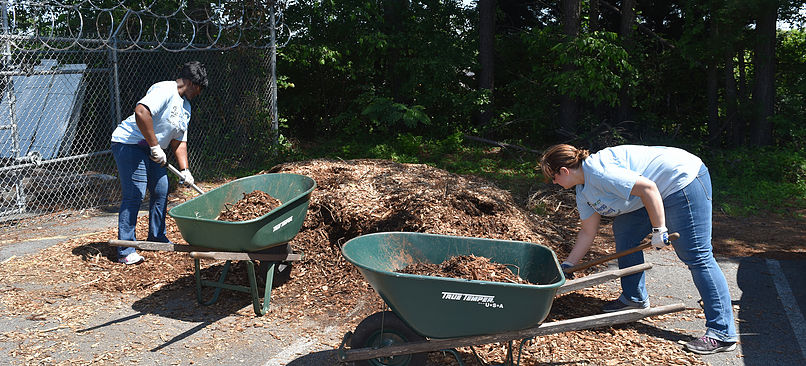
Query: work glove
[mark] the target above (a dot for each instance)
(157, 155)
(187, 178)
(660, 237)
(564, 265)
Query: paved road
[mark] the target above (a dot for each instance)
(769, 297)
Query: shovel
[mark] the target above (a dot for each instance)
(591, 263)
(178, 174)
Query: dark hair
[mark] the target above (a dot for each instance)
(559, 156)
(195, 72)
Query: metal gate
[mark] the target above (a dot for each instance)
(72, 71)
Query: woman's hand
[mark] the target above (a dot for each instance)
(187, 178)
(660, 237)
(157, 155)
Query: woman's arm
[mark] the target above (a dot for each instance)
(650, 196)
(142, 116)
(180, 149)
(588, 230)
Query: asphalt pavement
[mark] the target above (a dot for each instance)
(769, 298)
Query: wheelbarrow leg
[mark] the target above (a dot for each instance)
(260, 309)
(250, 269)
(201, 283)
(509, 357)
(458, 357)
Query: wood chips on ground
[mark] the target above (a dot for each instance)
(353, 198)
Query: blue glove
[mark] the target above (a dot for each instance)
(566, 265)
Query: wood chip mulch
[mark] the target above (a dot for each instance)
(253, 205)
(352, 198)
(468, 267)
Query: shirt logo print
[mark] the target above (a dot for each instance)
(602, 208)
(178, 118)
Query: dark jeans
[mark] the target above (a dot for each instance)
(137, 173)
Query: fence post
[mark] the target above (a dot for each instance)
(115, 81)
(19, 190)
(115, 77)
(275, 126)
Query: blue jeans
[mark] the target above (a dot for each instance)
(688, 212)
(137, 173)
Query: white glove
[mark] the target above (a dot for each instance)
(157, 155)
(187, 178)
(660, 237)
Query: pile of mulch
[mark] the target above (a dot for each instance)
(359, 197)
(253, 205)
(467, 267)
(354, 198)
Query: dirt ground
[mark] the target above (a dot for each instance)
(764, 236)
(358, 197)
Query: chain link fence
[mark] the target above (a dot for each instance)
(62, 97)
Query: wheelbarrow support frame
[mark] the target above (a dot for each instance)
(587, 322)
(199, 253)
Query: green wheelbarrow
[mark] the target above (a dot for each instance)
(437, 313)
(261, 239)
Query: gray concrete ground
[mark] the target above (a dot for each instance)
(769, 298)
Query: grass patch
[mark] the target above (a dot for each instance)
(759, 181)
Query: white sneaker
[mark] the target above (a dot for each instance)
(132, 258)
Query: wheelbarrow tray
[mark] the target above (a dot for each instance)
(197, 222)
(437, 307)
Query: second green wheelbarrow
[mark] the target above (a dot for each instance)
(261, 239)
(436, 313)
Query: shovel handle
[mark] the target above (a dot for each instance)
(179, 174)
(591, 263)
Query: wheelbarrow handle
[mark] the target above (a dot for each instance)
(591, 263)
(179, 174)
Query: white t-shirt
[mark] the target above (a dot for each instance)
(170, 114)
(611, 173)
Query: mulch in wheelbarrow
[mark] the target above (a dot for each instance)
(467, 267)
(354, 198)
(253, 205)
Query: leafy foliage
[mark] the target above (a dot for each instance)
(747, 182)
(359, 67)
(601, 68)
(398, 80)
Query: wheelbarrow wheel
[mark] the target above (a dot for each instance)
(385, 329)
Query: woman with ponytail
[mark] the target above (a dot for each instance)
(648, 189)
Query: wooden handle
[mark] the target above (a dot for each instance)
(591, 263)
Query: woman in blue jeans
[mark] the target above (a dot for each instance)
(160, 121)
(648, 189)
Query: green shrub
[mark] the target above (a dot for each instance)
(750, 181)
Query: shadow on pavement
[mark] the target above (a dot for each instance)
(765, 333)
(323, 358)
(178, 299)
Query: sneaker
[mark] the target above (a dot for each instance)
(618, 305)
(132, 258)
(707, 345)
